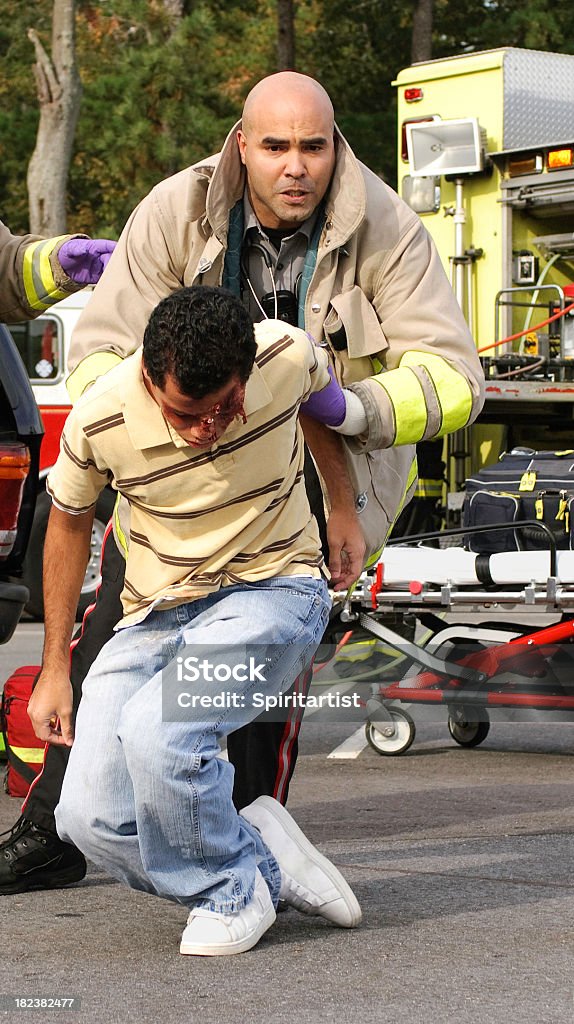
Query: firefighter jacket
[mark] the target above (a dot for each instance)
(374, 292)
(31, 278)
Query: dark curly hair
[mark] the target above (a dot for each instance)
(203, 337)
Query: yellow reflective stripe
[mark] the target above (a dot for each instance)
(119, 533)
(428, 489)
(410, 481)
(33, 754)
(453, 391)
(411, 477)
(408, 401)
(39, 284)
(371, 561)
(356, 650)
(378, 648)
(88, 370)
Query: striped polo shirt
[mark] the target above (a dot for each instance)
(200, 519)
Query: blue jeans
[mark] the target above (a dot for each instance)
(150, 800)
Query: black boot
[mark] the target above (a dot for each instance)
(36, 858)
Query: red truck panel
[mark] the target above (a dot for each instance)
(54, 417)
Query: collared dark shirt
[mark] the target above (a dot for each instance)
(283, 267)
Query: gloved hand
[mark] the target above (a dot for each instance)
(337, 407)
(84, 259)
(328, 406)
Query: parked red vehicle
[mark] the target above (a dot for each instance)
(43, 345)
(21, 433)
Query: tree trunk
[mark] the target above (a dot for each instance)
(59, 93)
(175, 8)
(285, 35)
(421, 46)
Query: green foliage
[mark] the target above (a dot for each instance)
(159, 93)
(370, 49)
(486, 24)
(153, 103)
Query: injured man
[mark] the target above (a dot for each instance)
(199, 432)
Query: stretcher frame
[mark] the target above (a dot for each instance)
(510, 665)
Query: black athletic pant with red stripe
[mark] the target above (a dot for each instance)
(263, 753)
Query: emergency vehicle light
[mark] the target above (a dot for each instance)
(413, 120)
(558, 158)
(446, 147)
(532, 164)
(414, 94)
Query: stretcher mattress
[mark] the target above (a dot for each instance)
(405, 565)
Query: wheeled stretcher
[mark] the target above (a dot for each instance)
(468, 665)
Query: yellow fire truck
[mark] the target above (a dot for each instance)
(486, 157)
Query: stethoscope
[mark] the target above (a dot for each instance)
(269, 264)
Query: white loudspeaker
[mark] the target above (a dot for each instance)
(446, 147)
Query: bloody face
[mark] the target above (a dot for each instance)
(200, 421)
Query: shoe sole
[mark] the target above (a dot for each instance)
(277, 811)
(229, 948)
(27, 884)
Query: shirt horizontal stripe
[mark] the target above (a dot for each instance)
(200, 519)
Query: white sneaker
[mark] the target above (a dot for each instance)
(209, 933)
(309, 882)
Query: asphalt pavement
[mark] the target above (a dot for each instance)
(461, 859)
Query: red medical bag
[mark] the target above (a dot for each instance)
(24, 751)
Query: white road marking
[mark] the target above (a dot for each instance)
(318, 689)
(351, 747)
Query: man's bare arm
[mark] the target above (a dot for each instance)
(66, 552)
(344, 534)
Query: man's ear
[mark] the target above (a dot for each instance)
(242, 143)
(146, 378)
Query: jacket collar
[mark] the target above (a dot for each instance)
(225, 179)
(346, 200)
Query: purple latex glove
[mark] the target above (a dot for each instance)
(328, 406)
(84, 259)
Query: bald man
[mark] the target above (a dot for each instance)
(288, 173)
(288, 219)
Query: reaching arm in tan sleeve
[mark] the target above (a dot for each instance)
(31, 278)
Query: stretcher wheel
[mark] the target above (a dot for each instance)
(399, 742)
(468, 726)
